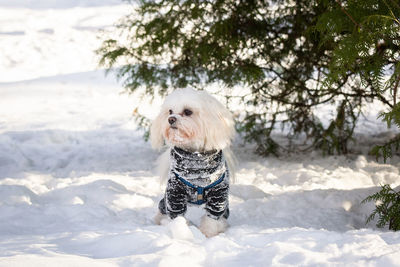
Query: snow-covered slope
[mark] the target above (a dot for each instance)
(78, 186)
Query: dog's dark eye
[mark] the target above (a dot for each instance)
(170, 111)
(187, 112)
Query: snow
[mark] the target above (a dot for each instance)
(78, 186)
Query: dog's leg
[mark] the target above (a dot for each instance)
(161, 218)
(173, 204)
(161, 215)
(217, 201)
(175, 201)
(217, 210)
(212, 227)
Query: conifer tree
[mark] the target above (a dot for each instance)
(290, 57)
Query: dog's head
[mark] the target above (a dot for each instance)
(192, 120)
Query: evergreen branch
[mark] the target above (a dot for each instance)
(391, 12)
(387, 204)
(395, 90)
(347, 14)
(393, 18)
(396, 4)
(386, 150)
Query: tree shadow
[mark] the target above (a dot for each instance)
(63, 153)
(331, 209)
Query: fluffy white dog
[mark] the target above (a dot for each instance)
(198, 165)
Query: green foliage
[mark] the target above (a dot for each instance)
(387, 208)
(260, 133)
(386, 150)
(367, 43)
(290, 57)
(339, 132)
(143, 123)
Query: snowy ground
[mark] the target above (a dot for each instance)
(77, 185)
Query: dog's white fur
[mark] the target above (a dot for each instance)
(210, 227)
(209, 127)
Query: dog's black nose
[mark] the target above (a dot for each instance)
(171, 120)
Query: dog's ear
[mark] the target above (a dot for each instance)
(156, 136)
(225, 133)
(220, 127)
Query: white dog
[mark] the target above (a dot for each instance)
(198, 131)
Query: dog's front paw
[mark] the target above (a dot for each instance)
(211, 227)
(161, 219)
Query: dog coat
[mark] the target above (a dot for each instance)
(196, 178)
